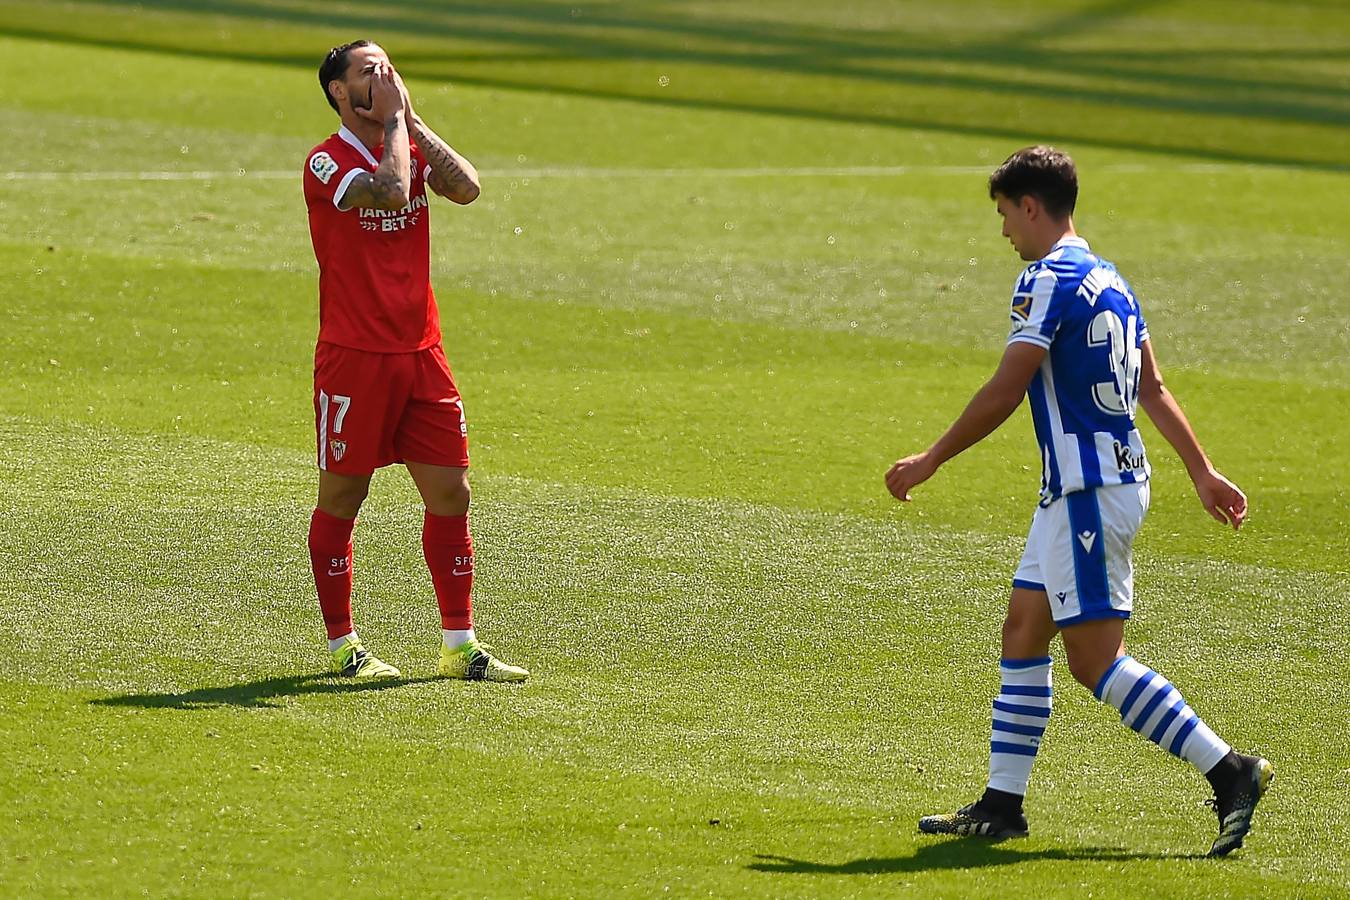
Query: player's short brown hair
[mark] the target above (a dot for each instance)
(1043, 172)
(334, 66)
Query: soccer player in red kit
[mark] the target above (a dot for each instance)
(383, 392)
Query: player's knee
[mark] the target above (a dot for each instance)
(1087, 668)
(452, 497)
(1019, 632)
(345, 506)
(460, 494)
(343, 500)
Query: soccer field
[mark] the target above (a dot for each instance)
(731, 260)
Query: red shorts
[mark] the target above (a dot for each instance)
(375, 409)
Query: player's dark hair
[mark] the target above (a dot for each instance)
(335, 66)
(1043, 172)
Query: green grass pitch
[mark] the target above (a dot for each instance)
(731, 260)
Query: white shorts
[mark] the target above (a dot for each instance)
(1078, 552)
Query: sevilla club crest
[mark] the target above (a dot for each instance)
(339, 449)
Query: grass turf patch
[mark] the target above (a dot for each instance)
(685, 374)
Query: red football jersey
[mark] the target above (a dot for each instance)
(374, 264)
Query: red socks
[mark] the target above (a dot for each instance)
(445, 544)
(330, 555)
(449, 554)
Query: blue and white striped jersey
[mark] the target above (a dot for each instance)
(1083, 399)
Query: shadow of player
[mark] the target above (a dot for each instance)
(952, 854)
(264, 693)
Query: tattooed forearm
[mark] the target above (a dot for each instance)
(452, 176)
(389, 185)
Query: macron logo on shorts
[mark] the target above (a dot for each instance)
(1087, 539)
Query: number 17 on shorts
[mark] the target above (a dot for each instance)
(332, 415)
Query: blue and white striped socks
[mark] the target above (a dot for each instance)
(1021, 712)
(1151, 706)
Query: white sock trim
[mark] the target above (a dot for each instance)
(455, 637)
(338, 642)
(1203, 749)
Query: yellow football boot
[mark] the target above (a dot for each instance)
(471, 661)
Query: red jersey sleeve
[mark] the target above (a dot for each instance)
(328, 172)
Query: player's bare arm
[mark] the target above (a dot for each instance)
(389, 185)
(1221, 498)
(452, 176)
(988, 409)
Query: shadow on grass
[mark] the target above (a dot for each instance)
(887, 78)
(256, 693)
(954, 854)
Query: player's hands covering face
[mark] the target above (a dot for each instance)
(386, 97)
(407, 97)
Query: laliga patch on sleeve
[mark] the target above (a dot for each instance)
(323, 166)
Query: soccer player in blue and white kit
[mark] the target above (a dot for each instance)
(1080, 352)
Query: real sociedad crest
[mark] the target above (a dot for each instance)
(339, 449)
